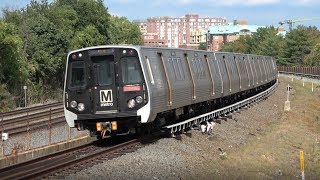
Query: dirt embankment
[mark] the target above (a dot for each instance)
(264, 142)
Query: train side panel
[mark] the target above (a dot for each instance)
(179, 78)
(268, 67)
(223, 69)
(203, 82)
(156, 80)
(172, 84)
(250, 71)
(234, 73)
(244, 73)
(216, 75)
(251, 62)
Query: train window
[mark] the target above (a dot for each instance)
(77, 78)
(130, 69)
(103, 68)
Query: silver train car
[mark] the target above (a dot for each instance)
(115, 90)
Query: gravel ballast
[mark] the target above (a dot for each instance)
(192, 155)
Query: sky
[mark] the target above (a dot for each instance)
(258, 12)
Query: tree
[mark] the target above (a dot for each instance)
(65, 18)
(13, 67)
(35, 40)
(297, 45)
(89, 12)
(89, 36)
(267, 42)
(202, 46)
(313, 59)
(123, 31)
(6, 99)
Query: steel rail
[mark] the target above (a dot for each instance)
(11, 172)
(34, 126)
(28, 109)
(31, 122)
(53, 164)
(32, 117)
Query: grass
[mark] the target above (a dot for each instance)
(275, 153)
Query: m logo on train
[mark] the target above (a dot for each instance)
(106, 98)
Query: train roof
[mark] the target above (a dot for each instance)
(139, 47)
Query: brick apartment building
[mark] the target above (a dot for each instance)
(191, 30)
(184, 32)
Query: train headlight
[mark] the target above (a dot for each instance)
(131, 103)
(80, 107)
(139, 99)
(73, 104)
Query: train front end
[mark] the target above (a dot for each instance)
(105, 91)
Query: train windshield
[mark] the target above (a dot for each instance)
(130, 69)
(77, 78)
(104, 69)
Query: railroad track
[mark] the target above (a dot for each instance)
(30, 109)
(18, 121)
(66, 162)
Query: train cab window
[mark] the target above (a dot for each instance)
(77, 78)
(130, 70)
(103, 68)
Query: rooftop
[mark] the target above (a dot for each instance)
(233, 29)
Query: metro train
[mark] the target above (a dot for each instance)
(120, 89)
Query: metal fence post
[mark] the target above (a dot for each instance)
(2, 144)
(28, 133)
(69, 130)
(50, 127)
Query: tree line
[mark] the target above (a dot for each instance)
(35, 39)
(299, 47)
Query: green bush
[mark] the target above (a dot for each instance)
(6, 99)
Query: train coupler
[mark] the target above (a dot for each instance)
(106, 126)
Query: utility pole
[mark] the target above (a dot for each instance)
(208, 41)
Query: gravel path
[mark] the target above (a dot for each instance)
(192, 156)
